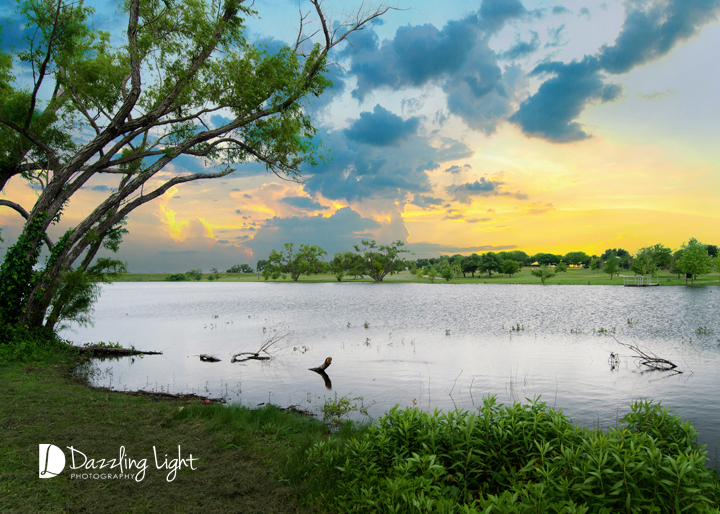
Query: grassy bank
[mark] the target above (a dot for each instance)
(571, 277)
(514, 459)
(47, 404)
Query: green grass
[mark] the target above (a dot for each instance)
(519, 458)
(571, 277)
(46, 404)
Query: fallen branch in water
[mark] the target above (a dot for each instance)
(208, 358)
(264, 347)
(649, 359)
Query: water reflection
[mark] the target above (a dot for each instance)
(435, 346)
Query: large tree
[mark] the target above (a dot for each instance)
(490, 262)
(381, 260)
(694, 259)
(612, 265)
(186, 81)
(645, 262)
(304, 261)
(577, 258)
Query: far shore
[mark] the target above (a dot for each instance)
(574, 276)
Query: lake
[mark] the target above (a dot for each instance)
(430, 345)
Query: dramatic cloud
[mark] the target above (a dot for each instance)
(303, 202)
(495, 13)
(456, 57)
(522, 48)
(550, 112)
(381, 128)
(426, 202)
(359, 171)
(648, 32)
(334, 234)
(463, 193)
(651, 32)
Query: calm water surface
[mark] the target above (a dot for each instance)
(434, 346)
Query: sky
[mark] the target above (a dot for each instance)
(460, 127)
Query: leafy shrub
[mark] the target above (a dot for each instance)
(176, 277)
(519, 458)
(20, 344)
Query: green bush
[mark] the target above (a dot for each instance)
(519, 458)
(20, 344)
(176, 277)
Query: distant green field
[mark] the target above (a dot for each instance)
(571, 277)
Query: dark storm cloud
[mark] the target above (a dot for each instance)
(456, 57)
(358, 171)
(550, 112)
(648, 32)
(426, 202)
(495, 13)
(415, 56)
(381, 128)
(463, 193)
(428, 166)
(522, 48)
(303, 202)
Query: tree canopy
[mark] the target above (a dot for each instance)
(186, 81)
(694, 259)
(381, 260)
(306, 261)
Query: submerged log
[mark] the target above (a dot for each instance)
(208, 358)
(323, 366)
(97, 349)
(320, 370)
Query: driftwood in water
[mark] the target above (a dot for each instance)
(266, 344)
(323, 366)
(649, 359)
(320, 370)
(98, 350)
(208, 358)
(246, 356)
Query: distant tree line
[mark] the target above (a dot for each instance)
(377, 261)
